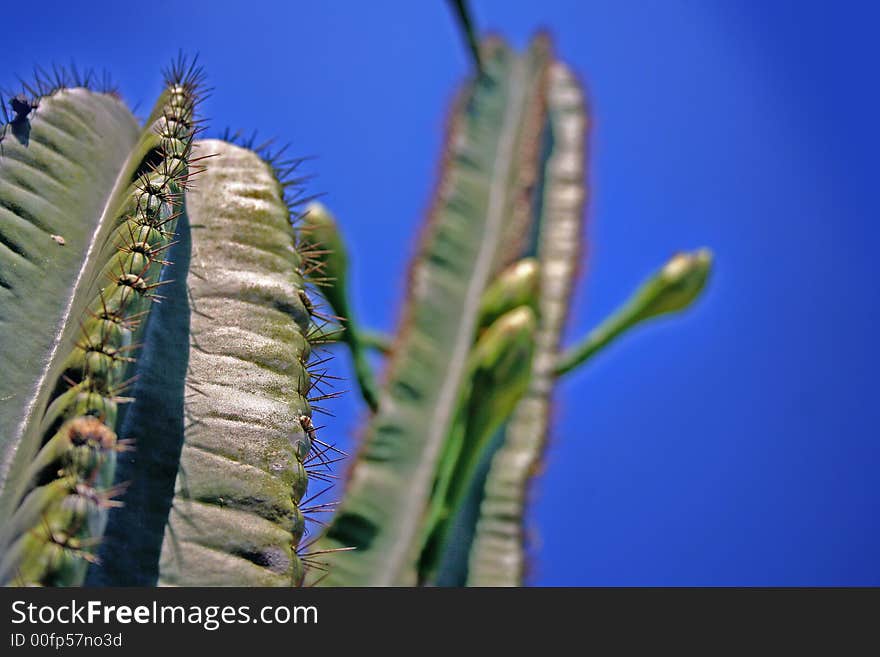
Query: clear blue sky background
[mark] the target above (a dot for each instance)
(736, 446)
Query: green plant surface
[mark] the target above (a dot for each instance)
(518, 285)
(78, 140)
(248, 445)
(472, 527)
(473, 231)
(497, 554)
(162, 335)
(212, 388)
(82, 368)
(377, 341)
(52, 532)
(322, 238)
(499, 370)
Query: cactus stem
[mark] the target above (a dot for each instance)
(378, 341)
(97, 368)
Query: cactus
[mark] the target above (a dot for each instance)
(165, 310)
(69, 376)
(114, 269)
(438, 490)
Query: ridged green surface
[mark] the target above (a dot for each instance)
(61, 182)
(94, 354)
(498, 554)
(499, 371)
(235, 519)
(483, 196)
(53, 531)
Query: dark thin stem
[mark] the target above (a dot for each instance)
(377, 340)
(463, 16)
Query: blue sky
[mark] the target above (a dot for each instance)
(735, 446)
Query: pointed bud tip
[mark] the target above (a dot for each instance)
(317, 210)
(520, 319)
(680, 282)
(525, 268)
(681, 265)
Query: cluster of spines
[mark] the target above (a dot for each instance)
(55, 528)
(317, 462)
(323, 330)
(285, 169)
(45, 83)
(96, 368)
(96, 371)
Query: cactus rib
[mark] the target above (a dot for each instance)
(54, 530)
(61, 160)
(499, 368)
(249, 442)
(472, 233)
(93, 374)
(497, 553)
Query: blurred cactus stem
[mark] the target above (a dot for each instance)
(322, 236)
(674, 288)
(377, 341)
(499, 371)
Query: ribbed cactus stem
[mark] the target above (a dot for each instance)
(499, 368)
(60, 499)
(51, 537)
(249, 445)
